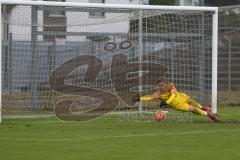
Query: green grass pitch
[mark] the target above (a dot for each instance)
(109, 139)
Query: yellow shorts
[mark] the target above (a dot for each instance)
(185, 107)
(180, 102)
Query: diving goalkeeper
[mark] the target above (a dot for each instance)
(167, 93)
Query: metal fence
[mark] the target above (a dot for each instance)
(229, 48)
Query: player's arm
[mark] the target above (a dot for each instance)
(148, 98)
(154, 97)
(173, 92)
(145, 98)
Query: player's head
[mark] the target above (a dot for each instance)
(163, 87)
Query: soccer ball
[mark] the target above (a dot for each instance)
(160, 116)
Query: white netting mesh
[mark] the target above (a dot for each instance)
(60, 59)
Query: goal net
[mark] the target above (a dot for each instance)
(81, 61)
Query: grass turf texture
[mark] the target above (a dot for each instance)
(109, 139)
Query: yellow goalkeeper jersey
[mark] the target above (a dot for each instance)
(175, 99)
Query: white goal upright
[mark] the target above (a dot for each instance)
(82, 60)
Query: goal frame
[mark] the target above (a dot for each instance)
(124, 6)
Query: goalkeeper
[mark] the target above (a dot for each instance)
(167, 93)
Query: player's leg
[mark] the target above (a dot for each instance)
(212, 116)
(185, 107)
(198, 105)
(202, 112)
(197, 110)
(186, 99)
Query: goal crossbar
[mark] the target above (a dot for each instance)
(100, 5)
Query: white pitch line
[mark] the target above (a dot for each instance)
(37, 122)
(117, 136)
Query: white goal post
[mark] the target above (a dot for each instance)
(149, 33)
